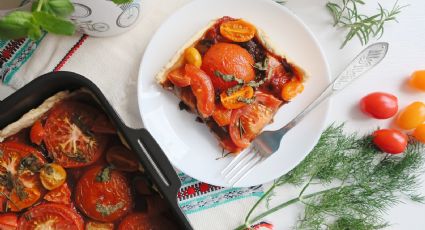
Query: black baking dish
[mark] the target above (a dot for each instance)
(157, 166)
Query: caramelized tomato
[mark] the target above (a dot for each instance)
(19, 166)
(52, 176)
(235, 100)
(61, 195)
(222, 115)
(8, 221)
(103, 194)
(50, 216)
(228, 59)
(37, 133)
(238, 30)
(291, 89)
(68, 136)
(91, 225)
(179, 78)
(203, 90)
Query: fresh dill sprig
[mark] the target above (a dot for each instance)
(346, 15)
(359, 182)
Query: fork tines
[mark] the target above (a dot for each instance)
(241, 165)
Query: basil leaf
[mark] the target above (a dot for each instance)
(16, 25)
(61, 8)
(54, 24)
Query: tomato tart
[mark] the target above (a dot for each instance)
(232, 77)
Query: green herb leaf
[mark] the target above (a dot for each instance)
(228, 77)
(104, 175)
(59, 8)
(122, 1)
(106, 210)
(54, 24)
(16, 25)
(246, 100)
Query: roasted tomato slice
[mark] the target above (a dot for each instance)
(122, 159)
(222, 115)
(68, 136)
(237, 99)
(179, 78)
(52, 176)
(37, 133)
(50, 216)
(247, 122)
(91, 225)
(8, 221)
(203, 90)
(19, 177)
(141, 221)
(237, 30)
(103, 194)
(61, 195)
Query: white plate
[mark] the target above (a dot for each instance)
(188, 144)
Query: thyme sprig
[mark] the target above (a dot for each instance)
(360, 183)
(346, 15)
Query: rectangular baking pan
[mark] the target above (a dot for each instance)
(156, 164)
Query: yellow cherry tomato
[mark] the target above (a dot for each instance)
(52, 176)
(412, 116)
(291, 89)
(417, 79)
(419, 133)
(192, 56)
(236, 99)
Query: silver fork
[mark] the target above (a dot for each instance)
(268, 142)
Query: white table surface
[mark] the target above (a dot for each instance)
(406, 54)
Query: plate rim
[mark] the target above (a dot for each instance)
(328, 78)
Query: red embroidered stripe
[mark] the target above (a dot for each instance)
(70, 53)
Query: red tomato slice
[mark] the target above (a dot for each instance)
(37, 133)
(222, 115)
(179, 78)
(203, 90)
(8, 221)
(61, 195)
(91, 225)
(68, 136)
(50, 216)
(103, 194)
(122, 159)
(141, 221)
(247, 122)
(19, 166)
(102, 124)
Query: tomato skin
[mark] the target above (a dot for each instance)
(232, 101)
(238, 30)
(228, 59)
(52, 176)
(37, 133)
(203, 90)
(61, 195)
(419, 133)
(141, 221)
(390, 140)
(411, 116)
(179, 78)
(417, 79)
(291, 89)
(91, 225)
(68, 135)
(379, 105)
(55, 216)
(222, 115)
(92, 196)
(253, 118)
(122, 158)
(8, 221)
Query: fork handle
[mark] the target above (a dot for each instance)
(363, 62)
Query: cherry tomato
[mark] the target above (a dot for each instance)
(68, 136)
(233, 101)
(122, 159)
(50, 216)
(237, 30)
(91, 225)
(103, 194)
(203, 90)
(412, 116)
(247, 122)
(291, 89)
(379, 105)
(419, 133)
(222, 115)
(228, 59)
(8, 221)
(61, 195)
(418, 79)
(179, 78)
(19, 166)
(102, 124)
(141, 221)
(52, 176)
(37, 133)
(390, 140)
(193, 57)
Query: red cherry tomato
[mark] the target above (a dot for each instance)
(390, 140)
(379, 105)
(37, 133)
(103, 194)
(203, 90)
(8, 221)
(50, 216)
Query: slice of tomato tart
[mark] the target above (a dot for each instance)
(233, 78)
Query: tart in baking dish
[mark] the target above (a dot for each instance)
(233, 78)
